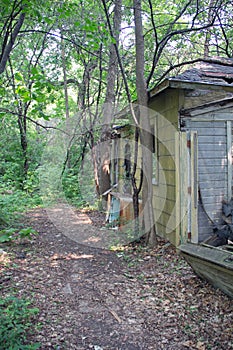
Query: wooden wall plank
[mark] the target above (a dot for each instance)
(205, 139)
(212, 171)
(229, 160)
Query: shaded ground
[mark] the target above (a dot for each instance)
(91, 298)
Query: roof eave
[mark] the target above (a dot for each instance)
(186, 84)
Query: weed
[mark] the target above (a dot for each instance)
(11, 234)
(15, 321)
(141, 277)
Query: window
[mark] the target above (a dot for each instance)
(127, 168)
(155, 154)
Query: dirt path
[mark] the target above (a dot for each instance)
(91, 298)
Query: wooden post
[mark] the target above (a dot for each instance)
(229, 161)
(189, 187)
(178, 188)
(194, 185)
(183, 185)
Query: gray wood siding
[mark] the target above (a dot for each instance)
(212, 172)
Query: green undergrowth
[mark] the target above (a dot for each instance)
(12, 234)
(13, 203)
(17, 321)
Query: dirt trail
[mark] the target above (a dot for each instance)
(81, 227)
(134, 299)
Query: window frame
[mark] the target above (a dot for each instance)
(155, 169)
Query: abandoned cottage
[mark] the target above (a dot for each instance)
(191, 118)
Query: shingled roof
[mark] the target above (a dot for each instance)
(209, 72)
(213, 73)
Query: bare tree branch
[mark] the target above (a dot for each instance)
(171, 33)
(153, 23)
(5, 110)
(229, 54)
(120, 65)
(59, 37)
(8, 48)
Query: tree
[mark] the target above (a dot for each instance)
(144, 122)
(108, 107)
(14, 15)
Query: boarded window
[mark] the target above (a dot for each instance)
(114, 162)
(127, 167)
(154, 132)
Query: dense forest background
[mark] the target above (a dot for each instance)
(67, 67)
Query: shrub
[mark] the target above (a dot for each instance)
(15, 322)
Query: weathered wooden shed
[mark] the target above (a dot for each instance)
(120, 203)
(192, 123)
(192, 117)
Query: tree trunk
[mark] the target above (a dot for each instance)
(8, 48)
(136, 188)
(65, 78)
(22, 122)
(108, 108)
(208, 33)
(145, 129)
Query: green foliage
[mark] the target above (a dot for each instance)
(11, 234)
(11, 160)
(78, 189)
(6, 235)
(14, 202)
(31, 183)
(15, 322)
(71, 186)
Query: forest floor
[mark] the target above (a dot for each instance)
(95, 298)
